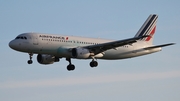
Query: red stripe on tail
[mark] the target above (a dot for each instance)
(151, 34)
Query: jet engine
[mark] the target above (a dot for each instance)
(80, 53)
(46, 59)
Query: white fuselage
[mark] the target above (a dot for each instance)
(50, 48)
(59, 45)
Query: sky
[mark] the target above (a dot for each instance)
(154, 77)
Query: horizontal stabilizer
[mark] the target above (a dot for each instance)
(152, 47)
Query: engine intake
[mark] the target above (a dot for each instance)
(46, 59)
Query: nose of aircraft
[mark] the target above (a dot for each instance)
(12, 44)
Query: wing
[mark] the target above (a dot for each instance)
(99, 48)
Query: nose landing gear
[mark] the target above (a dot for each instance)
(30, 56)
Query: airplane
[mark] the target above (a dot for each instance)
(51, 48)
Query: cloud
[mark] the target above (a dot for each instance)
(86, 80)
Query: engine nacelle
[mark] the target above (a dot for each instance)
(80, 53)
(46, 59)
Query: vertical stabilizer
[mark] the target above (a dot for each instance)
(148, 28)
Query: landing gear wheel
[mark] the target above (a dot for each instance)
(29, 61)
(30, 56)
(70, 67)
(93, 64)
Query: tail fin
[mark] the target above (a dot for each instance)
(148, 28)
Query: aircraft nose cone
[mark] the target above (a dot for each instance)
(12, 44)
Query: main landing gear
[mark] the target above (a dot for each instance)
(30, 56)
(70, 67)
(93, 63)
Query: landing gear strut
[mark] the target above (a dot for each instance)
(30, 56)
(70, 67)
(93, 63)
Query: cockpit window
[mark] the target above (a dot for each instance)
(21, 37)
(17, 37)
